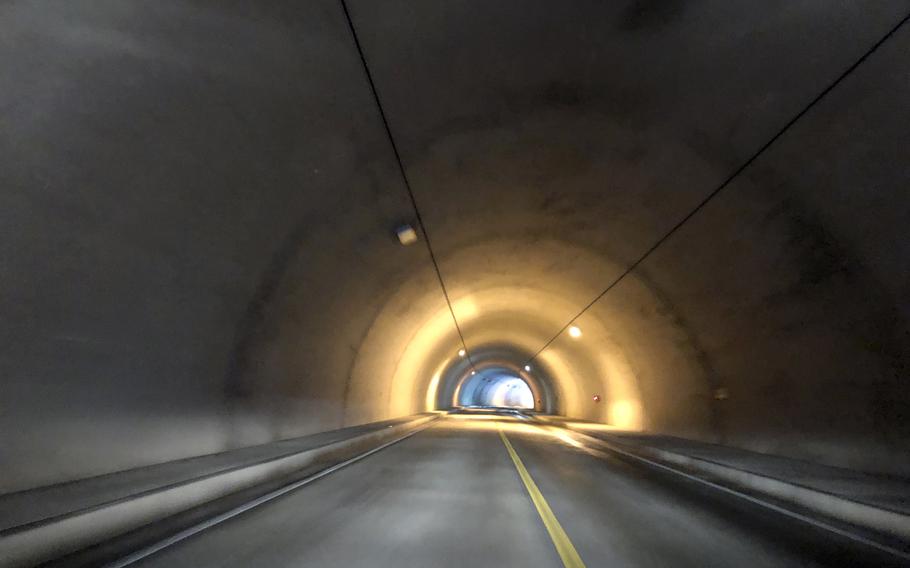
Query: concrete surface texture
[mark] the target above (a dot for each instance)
(54, 501)
(882, 492)
(92, 521)
(450, 496)
(198, 203)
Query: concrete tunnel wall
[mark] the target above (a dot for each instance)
(197, 204)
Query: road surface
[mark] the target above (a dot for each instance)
(480, 491)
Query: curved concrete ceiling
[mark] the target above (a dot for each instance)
(199, 204)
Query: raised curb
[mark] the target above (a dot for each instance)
(827, 504)
(45, 540)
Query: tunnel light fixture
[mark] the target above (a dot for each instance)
(462, 352)
(473, 373)
(406, 235)
(527, 368)
(575, 331)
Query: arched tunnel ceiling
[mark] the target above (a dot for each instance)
(549, 147)
(198, 202)
(568, 139)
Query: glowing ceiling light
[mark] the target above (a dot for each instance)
(406, 235)
(473, 373)
(462, 352)
(527, 367)
(575, 331)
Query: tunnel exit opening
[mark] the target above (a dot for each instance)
(496, 389)
(513, 393)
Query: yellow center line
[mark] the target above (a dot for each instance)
(564, 546)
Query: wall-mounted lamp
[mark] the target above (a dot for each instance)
(406, 235)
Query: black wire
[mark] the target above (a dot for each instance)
(727, 181)
(404, 176)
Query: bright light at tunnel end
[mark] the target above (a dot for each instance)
(495, 388)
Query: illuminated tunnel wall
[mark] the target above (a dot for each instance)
(198, 202)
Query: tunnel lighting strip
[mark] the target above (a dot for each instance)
(729, 179)
(143, 553)
(404, 176)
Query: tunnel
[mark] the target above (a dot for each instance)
(571, 239)
(498, 389)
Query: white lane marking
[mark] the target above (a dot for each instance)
(809, 520)
(209, 523)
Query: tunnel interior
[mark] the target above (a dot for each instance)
(200, 203)
(495, 387)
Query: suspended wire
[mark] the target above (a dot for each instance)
(726, 182)
(404, 177)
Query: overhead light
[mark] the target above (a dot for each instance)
(461, 352)
(527, 367)
(473, 373)
(575, 331)
(406, 235)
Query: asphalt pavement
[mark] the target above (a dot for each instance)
(492, 490)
